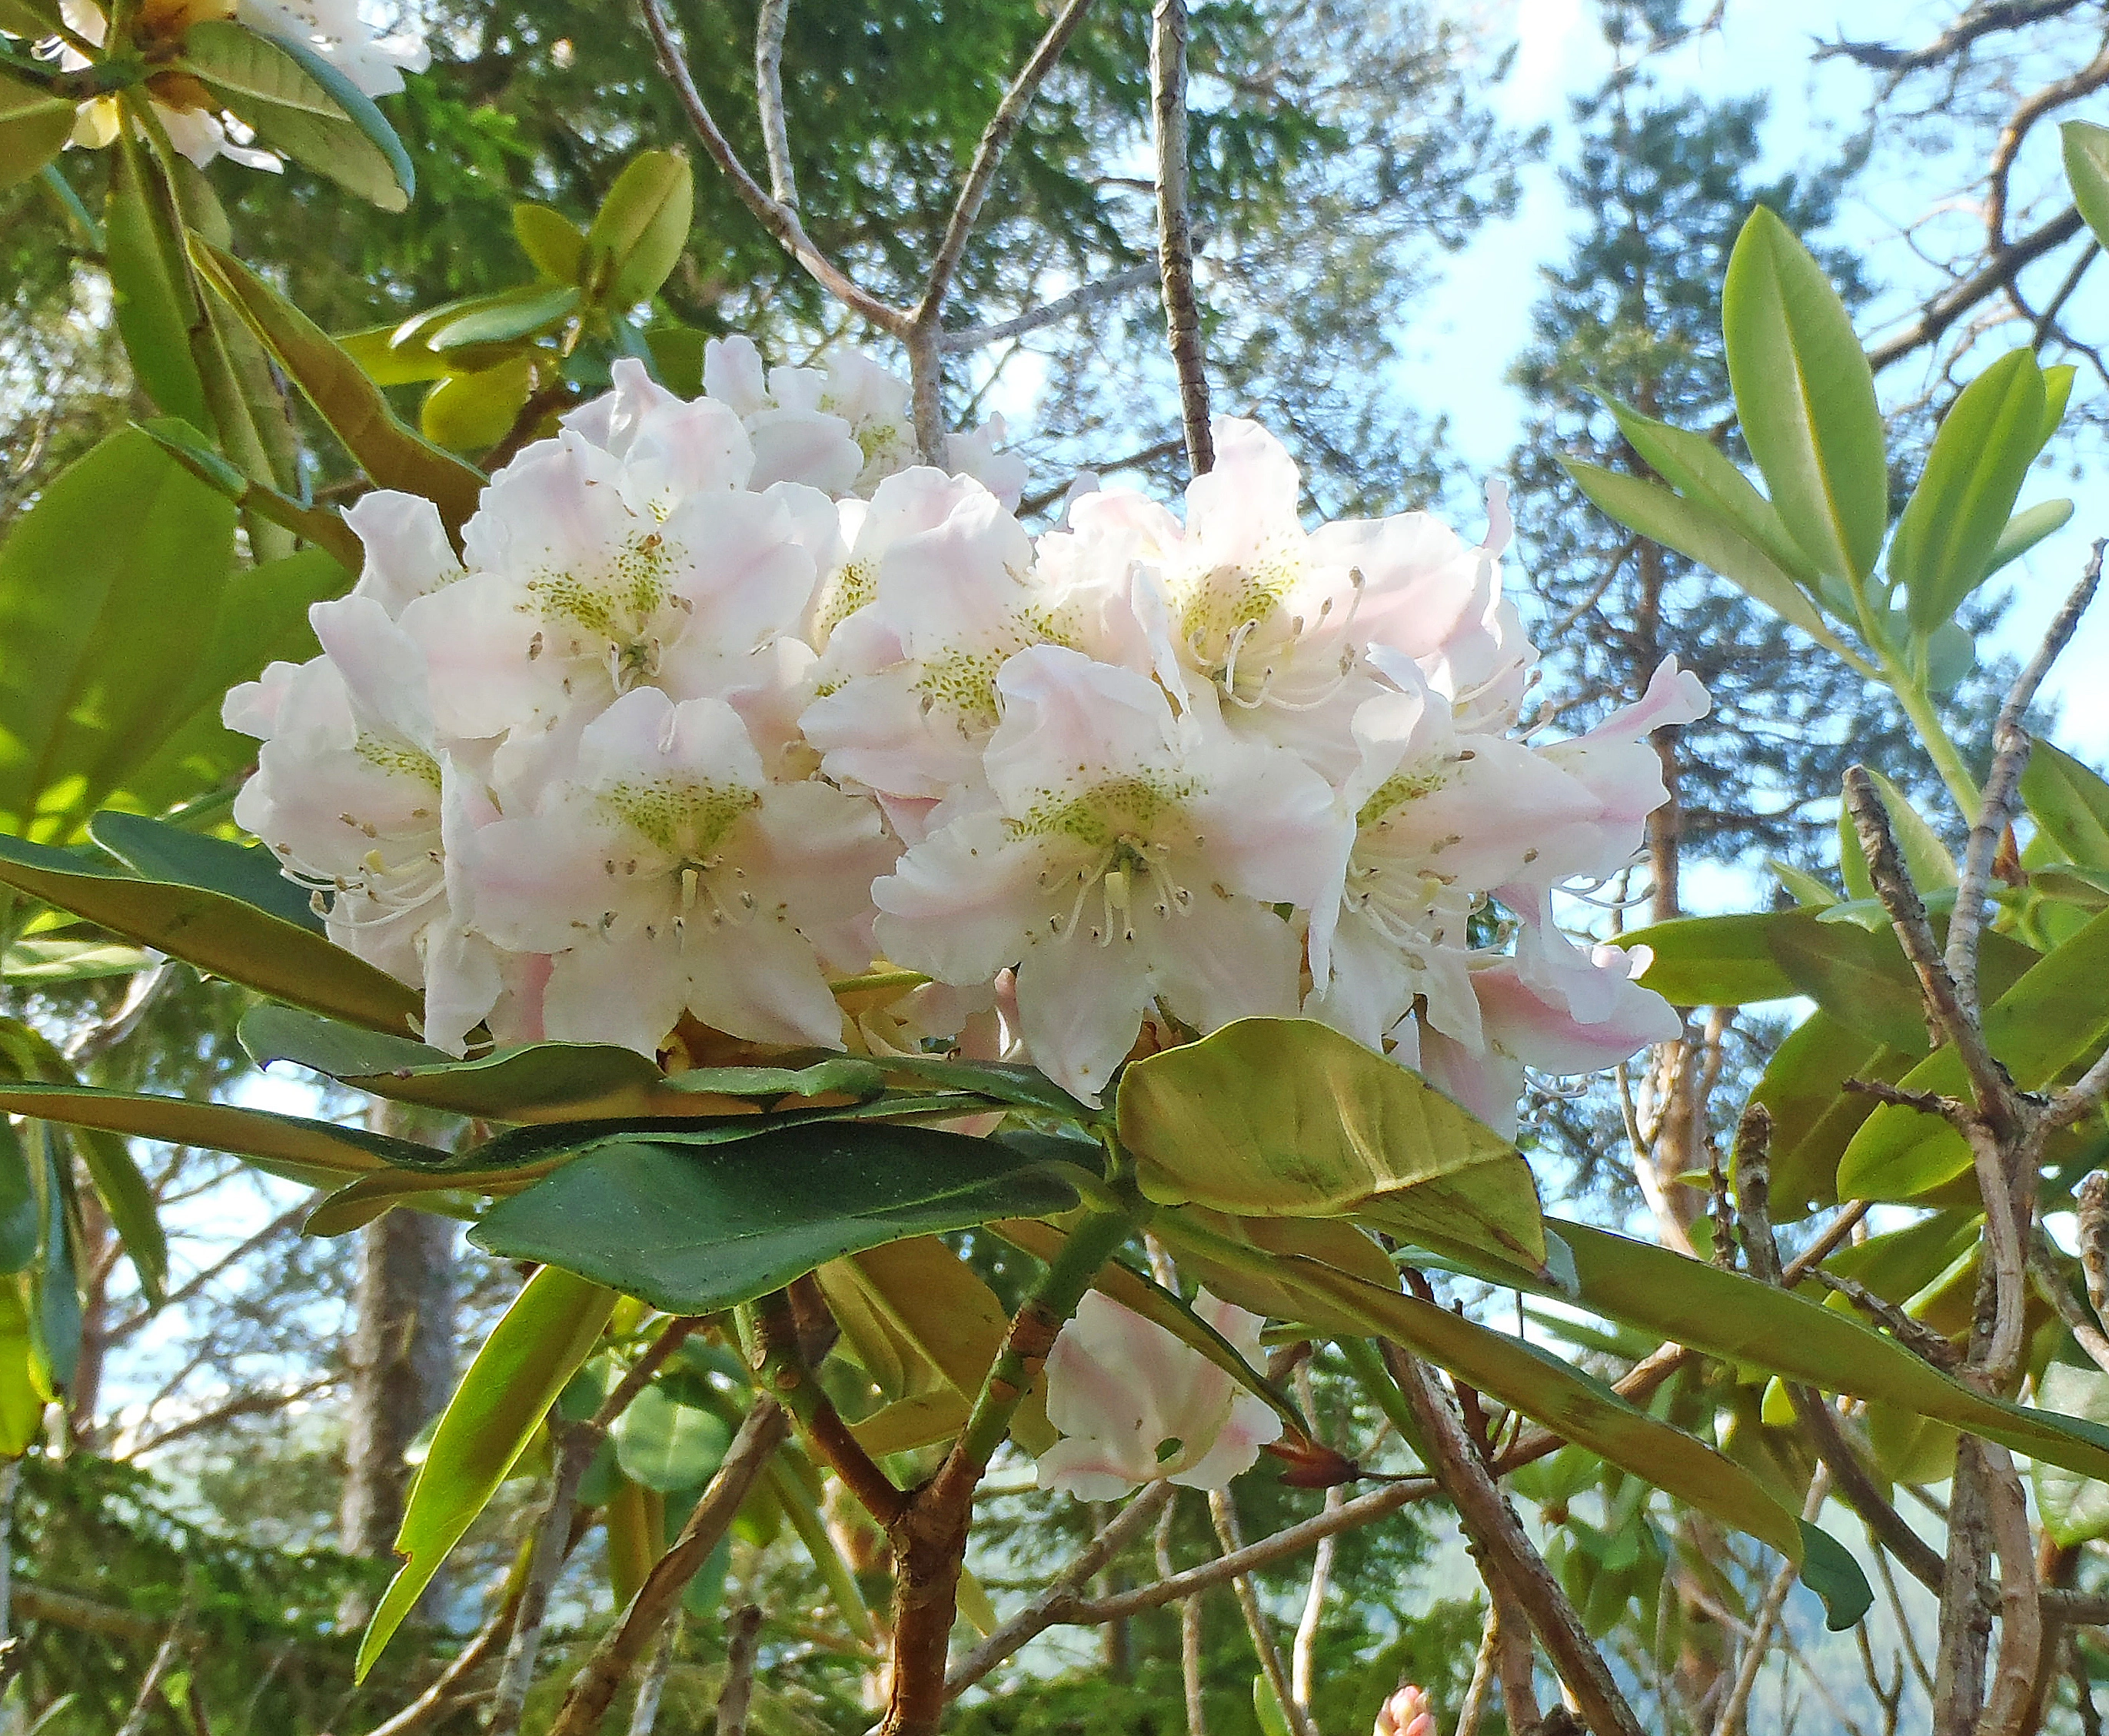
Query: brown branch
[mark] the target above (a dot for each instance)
(1977, 21)
(1175, 229)
(2020, 1612)
(740, 1672)
(1914, 1335)
(1052, 1605)
(135, 1721)
(2010, 758)
(1257, 1628)
(1500, 1546)
(777, 217)
(2051, 1285)
(2092, 1205)
(781, 1370)
(1997, 1100)
(763, 1430)
(1953, 302)
(672, 1337)
(2026, 114)
(1051, 313)
(573, 1448)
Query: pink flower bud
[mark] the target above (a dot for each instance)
(1405, 1713)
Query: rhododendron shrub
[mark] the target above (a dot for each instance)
(722, 703)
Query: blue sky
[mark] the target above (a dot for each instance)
(1477, 318)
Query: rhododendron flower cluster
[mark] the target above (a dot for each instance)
(724, 700)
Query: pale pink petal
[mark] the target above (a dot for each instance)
(1080, 1006)
(1223, 959)
(758, 978)
(407, 551)
(624, 989)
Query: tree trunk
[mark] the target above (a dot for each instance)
(402, 1358)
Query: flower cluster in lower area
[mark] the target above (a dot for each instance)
(721, 701)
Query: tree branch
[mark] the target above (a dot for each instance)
(777, 217)
(1175, 229)
(769, 24)
(1051, 313)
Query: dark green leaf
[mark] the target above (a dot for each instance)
(18, 1203)
(301, 105)
(106, 614)
(537, 1082)
(133, 1215)
(1829, 1570)
(325, 526)
(391, 454)
(693, 1230)
(154, 849)
(56, 1280)
(1806, 397)
(214, 927)
(1005, 1081)
(850, 1076)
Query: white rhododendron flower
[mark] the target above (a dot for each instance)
(190, 114)
(1130, 856)
(1134, 1404)
(715, 703)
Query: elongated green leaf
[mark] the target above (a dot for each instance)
(1944, 543)
(35, 960)
(803, 1511)
(25, 1381)
(318, 1148)
(1709, 478)
(1806, 397)
(524, 312)
(640, 230)
(1005, 1081)
(106, 614)
(1737, 1319)
(216, 927)
(301, 105)
(34, 125)
(472, 411)
(2070, 801)
(18, 1204)
(2087, 169)
(693, 1230)
(1542, 1386)
(1697, 530)
(534, 1082)
(391, 454)
(152, 297)
(2027, 528)
(325, 526)
(1290, 1116)
(386, 362)
(1859, 978)
(554, 245)
(2056, 1016)
(155, 850)
(549, 1330)
(133, 1215)
(1716, 961)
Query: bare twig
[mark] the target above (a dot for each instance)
(672, 1337)
(652, 1686)
(769, 23)
(573, 1447)
(1175, 229)
(1303, 1648)
(1050, 1607)
(2021, 1614)
(1966, 1612)
(1959, 297)
(774, 216)
(761, 1432)
(1051, 313)
(1257, 1627)
(2010, 756)
(1504, 1549)
(1192, 1682)
(740, 1672)
(1914, 1335)
(2051, 1285)
(171, 1648)
(1479, 1689)
(1730, 1723)
(1989, 1086)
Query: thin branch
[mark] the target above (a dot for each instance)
(1175, 229)
(1293, 1540)
(1051, 313)
(1730, 1723)
(740, 1672)
(1480, 1688)
(777, 218)
(652, 1686)
(1257, 1628)
(769, 24)
(2092, 1204)
(988, 156)
(2020, 1613)
(135, 1721)
(1048, 1609)
(439, 1698)
(1914, 1335)
(1956, 301)
(2051, 1285)
(761, 1432)
(2010, 757)
(1989, 1086)
(672, 1337)
(1192, 1677)
(1502, 1547)
(573, 1447)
